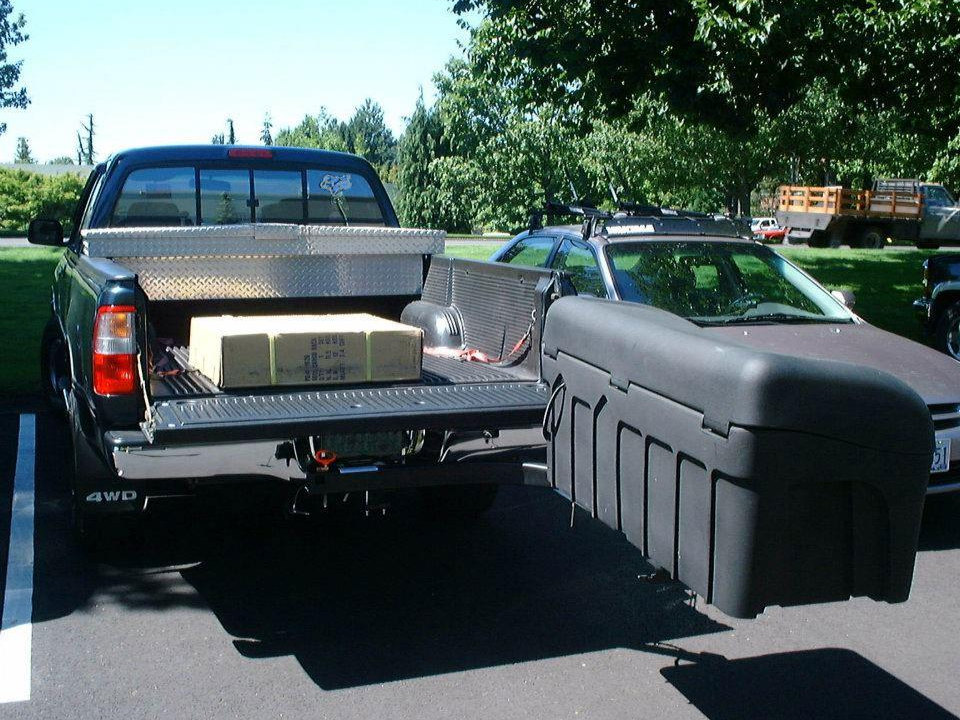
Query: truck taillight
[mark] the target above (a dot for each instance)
(115, 350)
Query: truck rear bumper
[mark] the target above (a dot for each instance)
(471, 457)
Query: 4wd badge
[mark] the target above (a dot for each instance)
(112, 496)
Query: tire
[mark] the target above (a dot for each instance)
(818, 239)
(872, 238)
(947, 332)
(928, 245)
(54, 368)
(458, 501)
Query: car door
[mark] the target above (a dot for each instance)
(578, 260)
(941, 216)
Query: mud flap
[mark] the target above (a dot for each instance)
(754, 478)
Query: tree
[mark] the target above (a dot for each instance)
(265, 135)
(321, 131)
(23, 155)
(60, 160)
(218, 139)
(369, 136)
(11, 35)
(716, 62)
(85, 153)
(231, 135)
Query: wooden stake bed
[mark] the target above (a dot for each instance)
(856, 203)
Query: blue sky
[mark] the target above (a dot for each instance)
(172, 71)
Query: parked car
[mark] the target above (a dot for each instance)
(736, 288)
(939, 308)
(767, 229)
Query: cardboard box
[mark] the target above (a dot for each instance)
(304, 350)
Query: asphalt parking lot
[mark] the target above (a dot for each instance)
(227, 609)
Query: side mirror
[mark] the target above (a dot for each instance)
(45, 232)
(846, 297)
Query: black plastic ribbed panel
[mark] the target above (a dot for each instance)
(279, 415)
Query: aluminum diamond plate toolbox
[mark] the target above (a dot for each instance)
(247, 277)
(284, 415)
(268, 239)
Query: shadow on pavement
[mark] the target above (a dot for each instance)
(368, 600)
(824, 683)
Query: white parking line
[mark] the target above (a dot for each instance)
(16, 633)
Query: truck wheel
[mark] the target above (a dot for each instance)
(928, 245)
(458, 501)
(947, 332)
(872, 238)
(818, 239)
(54, 367)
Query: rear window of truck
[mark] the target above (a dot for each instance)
(185, 196)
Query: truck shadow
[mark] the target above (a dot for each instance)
(372, 602)
(361, 600)
(823, 683)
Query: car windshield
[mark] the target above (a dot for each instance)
(719, 283)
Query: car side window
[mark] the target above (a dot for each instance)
(532, 251)
(581, 265)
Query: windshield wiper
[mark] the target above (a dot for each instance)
(777, 318)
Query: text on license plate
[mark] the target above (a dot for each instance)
(941, 457)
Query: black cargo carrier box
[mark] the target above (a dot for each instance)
(754, 478)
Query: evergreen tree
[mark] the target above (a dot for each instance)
(416, 151)
(231, 135)
(266, 136)
(218, 139)
(23, 155)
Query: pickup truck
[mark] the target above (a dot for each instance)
(754, 477)
(925, 214)
(939, 308)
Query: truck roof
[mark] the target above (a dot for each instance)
(173, 153)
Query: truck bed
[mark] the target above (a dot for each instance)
(495, 306)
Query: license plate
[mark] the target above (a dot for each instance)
(941, 457)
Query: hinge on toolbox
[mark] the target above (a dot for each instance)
(716, 427)
(619, 384)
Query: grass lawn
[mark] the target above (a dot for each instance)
(25, 278)
(885, 283)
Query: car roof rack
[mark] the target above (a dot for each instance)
(551, 207)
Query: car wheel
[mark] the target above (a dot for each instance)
(54, 367)
(947, 333)
(458, 501)
(873, 238)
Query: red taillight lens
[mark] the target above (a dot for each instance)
(249, 153)
(114, 351)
